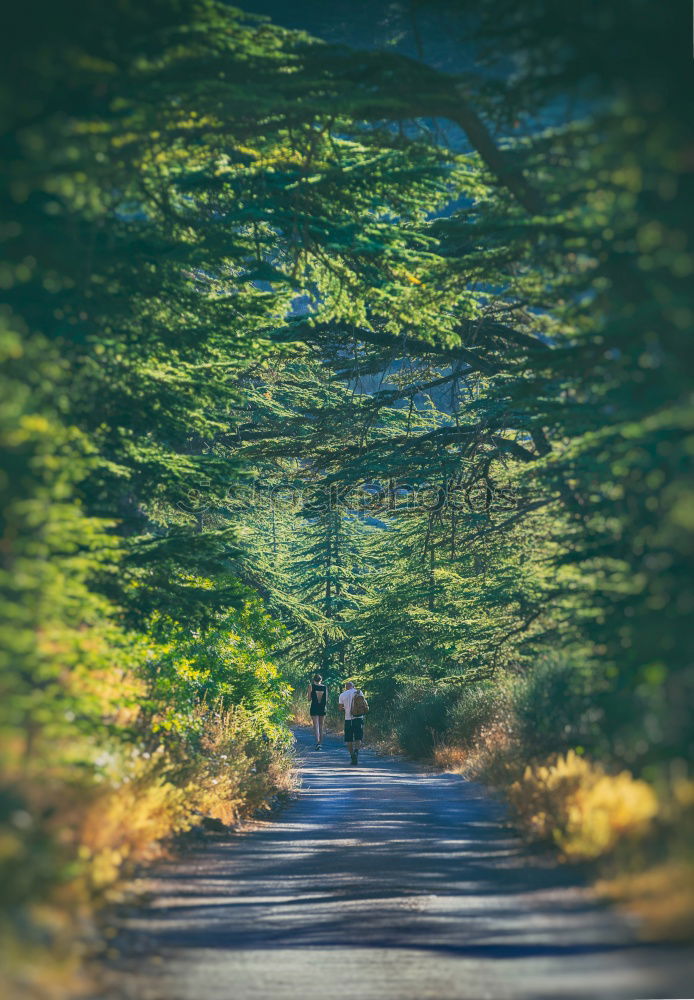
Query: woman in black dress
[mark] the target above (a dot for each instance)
(318, 693)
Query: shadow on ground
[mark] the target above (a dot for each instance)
(388, 881)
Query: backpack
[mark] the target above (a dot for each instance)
(360, 705)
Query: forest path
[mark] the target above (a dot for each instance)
(382, 882)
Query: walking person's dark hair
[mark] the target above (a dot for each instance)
(317, 679)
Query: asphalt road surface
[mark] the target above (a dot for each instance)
(382, 882)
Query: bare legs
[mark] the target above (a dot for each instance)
(318, 728)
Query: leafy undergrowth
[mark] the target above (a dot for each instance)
(98, 835)
(141, 740)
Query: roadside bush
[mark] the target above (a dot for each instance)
(141, 740)
(656, 882)
(661, 897)
(582, 809)
(471, 709)
(551, 709)
(449, 717)
(240, 769)
(421, 720)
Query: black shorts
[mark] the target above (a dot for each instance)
(354, 730)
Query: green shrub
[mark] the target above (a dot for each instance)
(421, 720)
(471, 709)
(552, 710)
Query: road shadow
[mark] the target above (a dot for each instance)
(390, 858)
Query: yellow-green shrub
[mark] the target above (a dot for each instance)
(238, 770)
(129, 822)
(138, 738)
(580, 807)
(657, 885)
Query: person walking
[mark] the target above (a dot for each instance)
(318, 693)
(353, 703)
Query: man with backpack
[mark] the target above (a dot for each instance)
(355, 706)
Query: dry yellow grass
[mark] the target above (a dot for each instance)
(490, 757)
(300, 712)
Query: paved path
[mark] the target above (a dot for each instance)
(383, 883)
